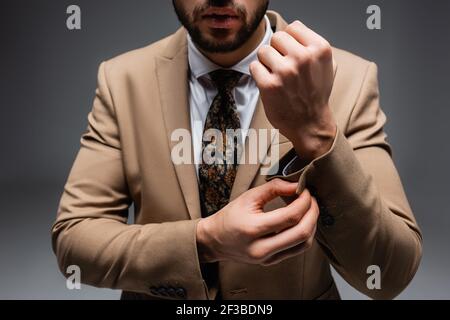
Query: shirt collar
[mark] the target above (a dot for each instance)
(201, 65)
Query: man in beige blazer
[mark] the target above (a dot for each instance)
(335, 198)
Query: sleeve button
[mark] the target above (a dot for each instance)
(327, 220)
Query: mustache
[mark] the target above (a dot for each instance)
(199, 11)
(220, 3)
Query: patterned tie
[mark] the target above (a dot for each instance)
(217, 174)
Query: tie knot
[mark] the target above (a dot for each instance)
(225, 80)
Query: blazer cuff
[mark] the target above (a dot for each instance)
(292, 168)
(181, 278)
(320, 176)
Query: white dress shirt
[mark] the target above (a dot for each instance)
(202, 91)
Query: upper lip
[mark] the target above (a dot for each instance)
(220, 11)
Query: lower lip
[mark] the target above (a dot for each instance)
(225, 22)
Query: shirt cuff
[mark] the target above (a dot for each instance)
(292, 168)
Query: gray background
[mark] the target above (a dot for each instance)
(48, 78)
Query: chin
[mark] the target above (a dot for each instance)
(222, 40)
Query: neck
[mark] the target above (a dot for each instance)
(229, 59)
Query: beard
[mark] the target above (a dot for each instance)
(216, 45)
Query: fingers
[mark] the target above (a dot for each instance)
(288, 50)
(284, 43)
(280, 219)
(270, 57)
(304, 35)
(271, 190)
(293, 236)
(289, 253)
(259, 72)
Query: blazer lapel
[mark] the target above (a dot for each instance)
(248, 170)
(172, 74)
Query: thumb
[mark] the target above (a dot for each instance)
(271, 190)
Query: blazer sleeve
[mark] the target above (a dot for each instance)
(91, 229)
(365, 217)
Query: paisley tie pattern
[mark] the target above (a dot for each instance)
(217, 171)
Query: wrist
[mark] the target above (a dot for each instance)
(206, 253)
(315, 142)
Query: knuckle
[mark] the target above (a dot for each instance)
(262, 50)
(309, 244)
(256, 254)
(275, 185)
(297, 58)
(307, 56)
(297, 23)
(323, 50)
(303, 59)
(309, 233)
(289, 28)
(273, 85)
(326, 45)
(303, 235)
(293, 26)
(294, 218)
(260, 228)
(277, 37)
(260, 53)
(248, 231)
(253, 65)
(297, 217)
(288, 69)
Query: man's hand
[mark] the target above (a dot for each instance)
(243, 232)
(295, 77)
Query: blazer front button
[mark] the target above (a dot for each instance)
(154, 291)
(171, 292)
(162, 291)
(181, 292)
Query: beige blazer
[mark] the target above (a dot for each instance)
(125, 158)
